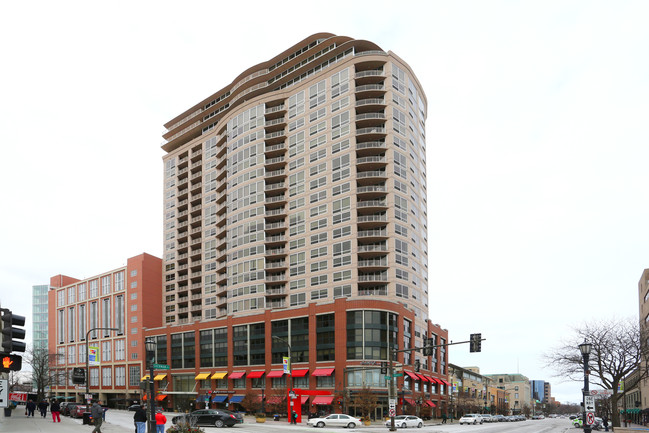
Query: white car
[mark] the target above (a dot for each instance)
(487, 418)
(336, 419)
(471, 418)
(403, 421)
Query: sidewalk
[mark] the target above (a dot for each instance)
(18, 423)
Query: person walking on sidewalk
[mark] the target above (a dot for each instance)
(31, 407)
(97, 413)
(55, 408)
(140, 420)
(42, 407)
(160, 421)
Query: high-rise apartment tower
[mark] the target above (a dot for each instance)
(295, 220)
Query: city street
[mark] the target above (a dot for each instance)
(119, 421)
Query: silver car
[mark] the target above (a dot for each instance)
(403, 421)
(335, 420)
(471, 418)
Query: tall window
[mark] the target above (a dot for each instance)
(119, 314)
(82, 322)
(119, 281)
(92, 289)
(106, 350)
(60, 325)
(71, 324)
(134, 375)
(94, 377)
(82, 292)
(120, 376)
(94, 318)
(120, 350)
(105, 285)
(105, 316)
(106, 376)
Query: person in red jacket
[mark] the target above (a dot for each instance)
(160, 421)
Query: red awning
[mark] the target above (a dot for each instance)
(237, 374)
(274, 399)
(322, 372)
(275, 373)
(323, 399)
(445, 382)
(160, 397)
(255, 374)
(300, 373)
(410, 401)
(422, 377)
(434, 380)
(304, 399)
(430, 403)
(412, 375)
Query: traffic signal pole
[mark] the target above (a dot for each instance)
(427, 349)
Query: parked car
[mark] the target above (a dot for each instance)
(403, 421)
(471, 418)
(487, 417)
(215, 417)
(65, 410)
(335, 420)
(578, 423)
(77, 411)
(499, 418)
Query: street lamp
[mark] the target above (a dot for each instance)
(290, 376)
(150, 345)
(88, 362)
(585, 348)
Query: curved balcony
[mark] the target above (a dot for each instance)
(274, 125)
(372, 205)
(367, 148)
(373, 264)
(371, 220)
(275, 228)
(276, 214)
(274, 175)
(369, 163)
(275, 188)
(276, 163)
(365, 120)
(279, 199)
(275, 252)
(371, 177)
(275, 137)
(370, 104)
(275, 240)
(276, 291)
(371, 191)
(372, 250)
(370, 90)
(373, 278)
(279, 277)
(373, 133)
(275, 111)
(373, 235)
(370, 76)
(277, 265)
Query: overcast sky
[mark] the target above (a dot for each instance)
(537, 142)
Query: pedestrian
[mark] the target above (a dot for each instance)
(160, 421)
(96, 412)
(55, 408)
(31, 407)
(140, 420)
(605, 423)
(443, 418)
(42, 407)
(293, 417)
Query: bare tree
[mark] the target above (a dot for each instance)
(40, 361)
(617, 351)
(366, 401)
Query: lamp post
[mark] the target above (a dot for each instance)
(290, 376)
(88, 362)
(150, 345)
(585, 348)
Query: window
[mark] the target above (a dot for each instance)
(120, 376)
(319, 224)
(339, 83)
(337, 147)
(340, 189)
(119, 281)
(317, 280)
(317, 94)
(340, 125)
(105, 285)
(106, 376)
(342, 231)
(340, 168)
(319, 266)
(319, 252)
(297, 299)
(316, 129)
(317, 238)
(318, 210)
(343, 291)
(318, 114)
(318, 294)
(296, 105)
(296, 144)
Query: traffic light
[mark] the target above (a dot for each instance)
(417, 365)
(427, 350)
(384, 367)
(475, 343)
(9, 332)
(10, 362)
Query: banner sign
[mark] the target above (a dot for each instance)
(93, 355)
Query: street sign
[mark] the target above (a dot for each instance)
(605, 392)
(4, 393)
(589, 403)
(160, 367)
(590, 418)
(393, 403)
(397, 375)
(392, 412)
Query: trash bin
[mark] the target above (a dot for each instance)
(276, 417)
(87, 418)
(8, 411)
